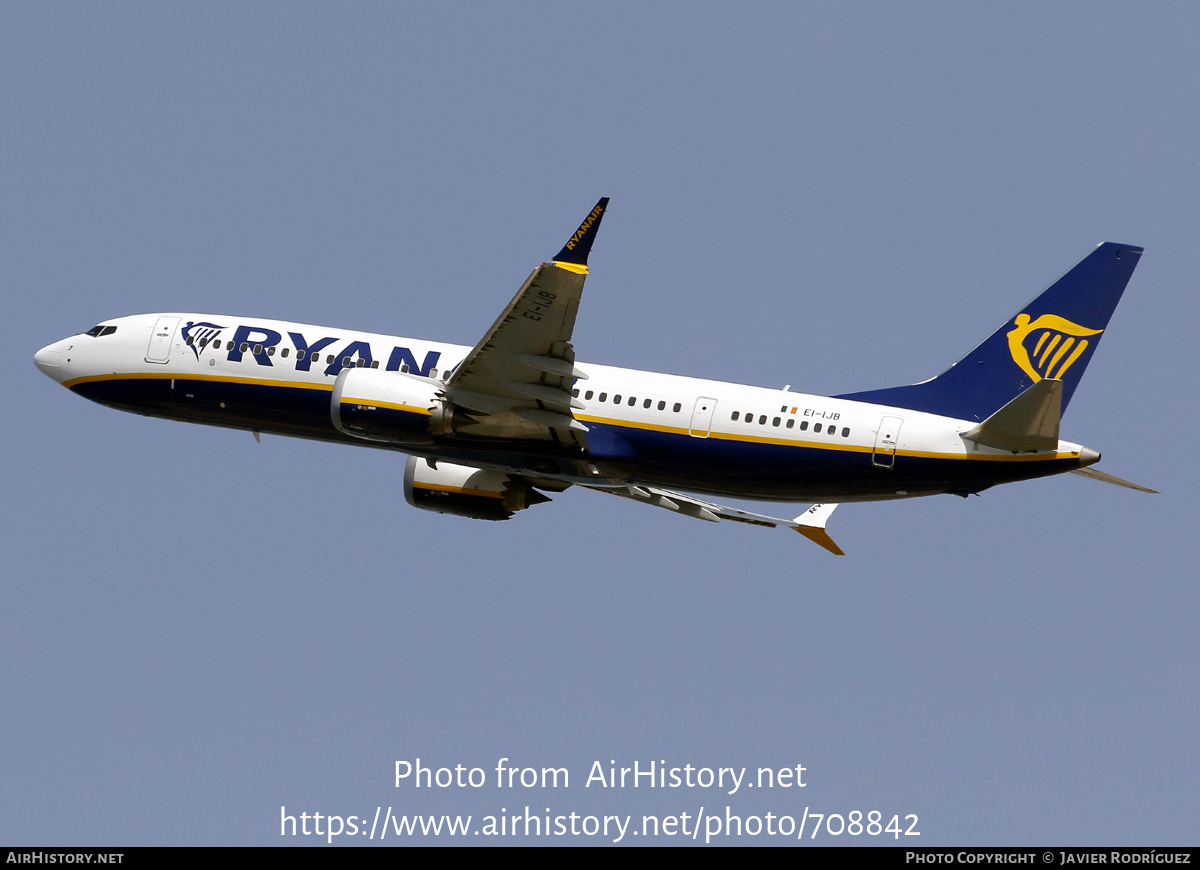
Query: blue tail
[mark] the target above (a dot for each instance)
(1054, 336)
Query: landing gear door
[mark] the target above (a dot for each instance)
(702, 416)
(886, 440)
(159, 349)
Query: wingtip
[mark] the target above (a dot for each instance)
(577, 248)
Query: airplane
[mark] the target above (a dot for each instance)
(489, 430)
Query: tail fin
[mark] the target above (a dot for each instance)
(1052, 337)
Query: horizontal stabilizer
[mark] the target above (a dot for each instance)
(1028, 422)
(1113, 479)
(811, 524)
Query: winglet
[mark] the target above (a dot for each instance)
(811, 524)
(575, 251)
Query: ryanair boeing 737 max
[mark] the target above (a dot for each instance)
(490, 429)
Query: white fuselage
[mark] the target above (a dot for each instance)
(706, 436)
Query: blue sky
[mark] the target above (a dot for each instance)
(200, 629)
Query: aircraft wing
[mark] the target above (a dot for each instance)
(811, 523)
(517, 381)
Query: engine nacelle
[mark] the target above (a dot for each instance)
(466, 492)
(392, 407)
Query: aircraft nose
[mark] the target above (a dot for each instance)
(51, 360)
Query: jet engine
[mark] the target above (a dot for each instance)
(392, 407)
(478, 493)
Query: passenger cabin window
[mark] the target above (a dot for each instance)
(817, 427)
(589, 394)
(284, 353)
(846, 432)
(575, 393)
(734, 415)
(803, 425)
(662, 405)
(632, 401)
(604, 397)
(677, 407)
(617, 399)
(775, 422)
(646, 403)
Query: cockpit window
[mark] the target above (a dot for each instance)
(100, 329)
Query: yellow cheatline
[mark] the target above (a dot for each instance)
(817, 445)
(631, 424)
(571, 267)
(990, 457)
(176, 376)
(627, 424)
(824, 445)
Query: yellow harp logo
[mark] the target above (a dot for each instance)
(1056, 344)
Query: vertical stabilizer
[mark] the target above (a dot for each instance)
(1051, 338)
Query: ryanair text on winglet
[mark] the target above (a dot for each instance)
(584, 227)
